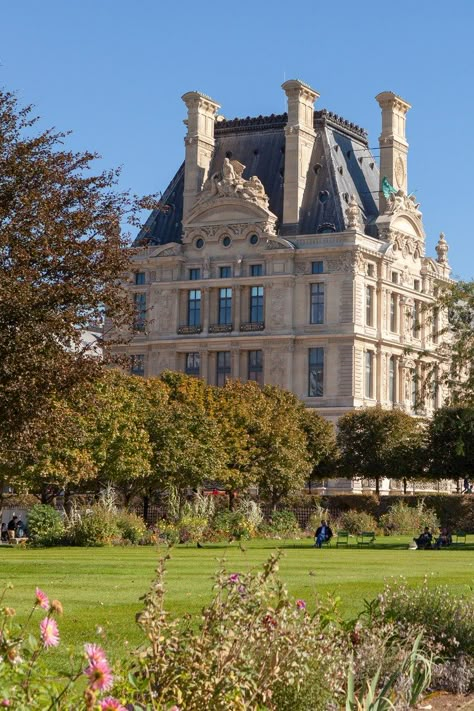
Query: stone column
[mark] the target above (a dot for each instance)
(199, 144)
(235, 361)
(205, 309)
(299, 142)
(236, 294)
(204, 355)
(393, 143)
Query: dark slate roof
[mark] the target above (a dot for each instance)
(342, 165)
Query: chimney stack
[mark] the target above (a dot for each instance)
(393, 143)
(199, 144)
(299, 142)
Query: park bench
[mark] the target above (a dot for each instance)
(460, 538)
(366, 538)
(342, 538)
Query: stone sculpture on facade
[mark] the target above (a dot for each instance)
(401, 202)
(229, 182)
(442, 250)
(354, 221)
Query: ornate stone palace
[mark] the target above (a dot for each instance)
(282, 253)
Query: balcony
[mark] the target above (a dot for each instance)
(250, 326)
(220, 328)
(189, 330)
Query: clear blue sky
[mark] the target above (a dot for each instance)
(113, 72)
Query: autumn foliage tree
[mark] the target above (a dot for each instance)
(61, 256)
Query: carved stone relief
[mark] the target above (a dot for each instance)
(278, 310)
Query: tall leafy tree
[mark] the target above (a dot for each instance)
(451, 443)
(370, 442)
(281, 457)
(61, 258)
(320, 443)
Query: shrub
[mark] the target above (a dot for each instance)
(167, 532)
(131, 527)
(356, 521)
(45, 525)
(284, 523)
(447, 618)
(191, 528)
(232, 524)
(402, 518)
(94, 526)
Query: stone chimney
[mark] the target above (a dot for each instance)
(393, 143)
(300, 135)
(199, 144)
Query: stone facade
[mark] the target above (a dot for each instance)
(282, 254)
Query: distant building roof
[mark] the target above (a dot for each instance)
(342, 166)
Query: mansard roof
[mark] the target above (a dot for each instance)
(341, 166)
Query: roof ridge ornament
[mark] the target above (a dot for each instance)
(229, 182)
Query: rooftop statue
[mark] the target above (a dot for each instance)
(229, 182)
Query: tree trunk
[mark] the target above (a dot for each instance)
(405, 485)
(377, 486)
(146, 505)
(231, 500)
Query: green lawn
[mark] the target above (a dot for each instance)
(102, 586)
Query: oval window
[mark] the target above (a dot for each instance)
(253, 239)
(200, 243)
(226, 241)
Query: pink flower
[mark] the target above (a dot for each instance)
(111, 704)
(49, 632)
(5, 702)
(175, 708)
(100, 676)
(95, 654)
(301, 605)
(234, 578)
(41, 599)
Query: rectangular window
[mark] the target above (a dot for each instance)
(194, 274)
(369, 305)
(192, 364)
(316, 372)
(225, 272)
(140, 311)
(139, 278)
(369, 374)
(137, 365)
(256, 304)
(435, 325)
(393, 313)
(256, 270)
(416, 285)
(223, 367)
(392, 381)
(414, 389)
(225, 306)
(256, 366)
(317, 267)
(416, 319)
(371, 270)
(395, 277)
(194, 307)
(317, 303)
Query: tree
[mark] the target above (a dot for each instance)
(234, 412)
(320, 443)
(61, 258)
(370, 442)
(187, 448)
(451, 443)
(456, 335)
(281, 456)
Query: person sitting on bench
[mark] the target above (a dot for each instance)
(323, 534)
(423, 542)
(444, 540)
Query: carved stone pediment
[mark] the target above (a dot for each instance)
(229, 182)
(279, 243)
(173, 249)
(402, 215)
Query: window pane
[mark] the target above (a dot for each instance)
(256, 270)
(255, 371)
(225, 272)
(194, 274)
(137, 365)
(416, 319)
(392, 381)
(194, 307)
(316, 372)
(225, 306)
(369, 362)
(192, 364)
(223, 367)
(256, 304)
(317, 268)
(317, 303)
(139, 278)
(393, 313)
(140, 311)
(369, 306)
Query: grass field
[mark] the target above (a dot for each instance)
(102, 586)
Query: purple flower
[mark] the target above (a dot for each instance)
(301, 605)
